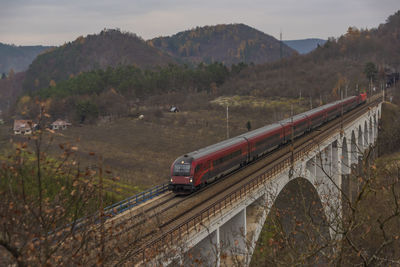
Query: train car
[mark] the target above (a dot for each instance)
(264, 139)
(299, 124)
(349, 103)
(193, 170)
(316, 117)
(333, 110)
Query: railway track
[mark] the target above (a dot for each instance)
(279, 157)
(157, 209)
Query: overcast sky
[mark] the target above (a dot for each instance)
(54, 22)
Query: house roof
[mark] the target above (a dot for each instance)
(23, 125)
(60, 122)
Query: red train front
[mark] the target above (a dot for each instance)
(182, 175)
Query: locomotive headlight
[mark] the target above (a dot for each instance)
(191, 180)
(171, 180)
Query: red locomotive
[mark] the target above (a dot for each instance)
(194, 170)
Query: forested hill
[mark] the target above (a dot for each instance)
(232, 43)
(110, 48)
(18, 58)
(340, 63)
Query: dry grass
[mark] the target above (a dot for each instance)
(140, 152)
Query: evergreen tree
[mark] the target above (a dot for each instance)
(370, 70)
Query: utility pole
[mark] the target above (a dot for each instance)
(383, 95)
(341, 117)
(227, 121)
(292, 137)
(291, 171)
(383, 92)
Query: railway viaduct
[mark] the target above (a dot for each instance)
(227, 231)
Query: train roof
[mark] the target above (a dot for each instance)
(295, 118)
(215, 147)
(317, 109)
(241, 138)
(348, 98)
(261, 130)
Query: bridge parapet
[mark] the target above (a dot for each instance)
(227, 231)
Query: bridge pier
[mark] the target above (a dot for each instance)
(233, 246)
(205, 253)
(311, 167)
(256, 214)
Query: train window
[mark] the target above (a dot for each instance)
(227, 157)
(259, 143)
(181, 169)
(237, 153)
(273, 139)
(302, 124)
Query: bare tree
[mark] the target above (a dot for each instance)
(43, 199)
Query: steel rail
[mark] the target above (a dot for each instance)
(185, 227)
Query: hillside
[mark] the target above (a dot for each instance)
(110, 48)
(305, 46)
(331, 68)
(113, 91)
(18, 58)
(10, 90)
(232, 43)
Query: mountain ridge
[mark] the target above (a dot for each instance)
(323, 73)
(226, 43)
(109, 48)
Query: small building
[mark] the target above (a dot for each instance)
(60, 125)
(24, 126)
(174, 109)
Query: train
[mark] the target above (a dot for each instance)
(196, 169)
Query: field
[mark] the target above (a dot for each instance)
(140, 152)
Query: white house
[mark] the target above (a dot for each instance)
(60, 125)
(24, 126)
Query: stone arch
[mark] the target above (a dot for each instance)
(366, 137)
(353, 149)
(298, 212)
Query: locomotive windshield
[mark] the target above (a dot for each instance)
(181, 169)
